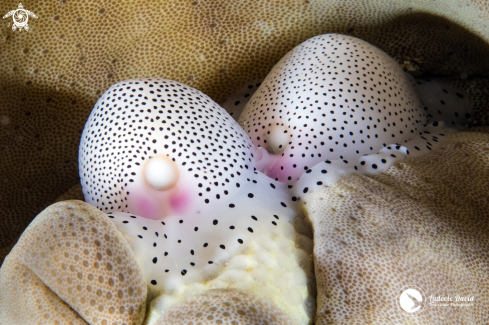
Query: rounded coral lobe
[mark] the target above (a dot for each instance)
(139, 119)
(233, 306)
(337, 97)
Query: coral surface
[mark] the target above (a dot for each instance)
(52, 75)
(71, 265)
(423, 222)
(225, 307)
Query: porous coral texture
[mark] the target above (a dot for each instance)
(423, 222)
(71, 265)
(478, 88)
(52, 75)
(25, 299)
(74, 193)
(226, 307)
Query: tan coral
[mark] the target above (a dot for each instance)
(226, 307)
(25, 299)
(71, 264)
(478, 88)
(74, 193)
(53, 74)
(424, 222)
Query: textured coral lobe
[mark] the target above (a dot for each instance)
(423, 222)
(31, 300)
(225, 307)
(71, 265)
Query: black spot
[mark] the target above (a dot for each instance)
(153, 282)
(231, 205)
(305, 190)
(222, 246)
(155, 260)
(240, 240)
(215, 222)
(250, 195)
(374, 166)
(183, 272)
(250, 229)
